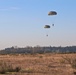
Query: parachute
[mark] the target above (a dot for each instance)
(47, 27)
(52, 13)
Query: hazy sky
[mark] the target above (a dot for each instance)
(22, 23)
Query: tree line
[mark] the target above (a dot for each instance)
(38, 49)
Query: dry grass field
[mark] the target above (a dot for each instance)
(39, 64)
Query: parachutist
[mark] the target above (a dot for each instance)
(52, 24)
(46, 35)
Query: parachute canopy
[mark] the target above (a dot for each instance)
(46, 26)
(52, 13)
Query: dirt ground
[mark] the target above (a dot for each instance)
(40, 64)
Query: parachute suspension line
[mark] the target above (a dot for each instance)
(47, 34)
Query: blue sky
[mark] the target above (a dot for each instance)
(22, 23)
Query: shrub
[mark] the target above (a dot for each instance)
(72, 62)
(17, 69)
(7, 67)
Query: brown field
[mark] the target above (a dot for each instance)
(39, 64)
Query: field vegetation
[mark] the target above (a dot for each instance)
(38, 64)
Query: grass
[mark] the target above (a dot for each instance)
(72, 62)
(39, 64)
(7, 67)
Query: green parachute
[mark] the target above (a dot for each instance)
(47, 26)
(52, 13)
